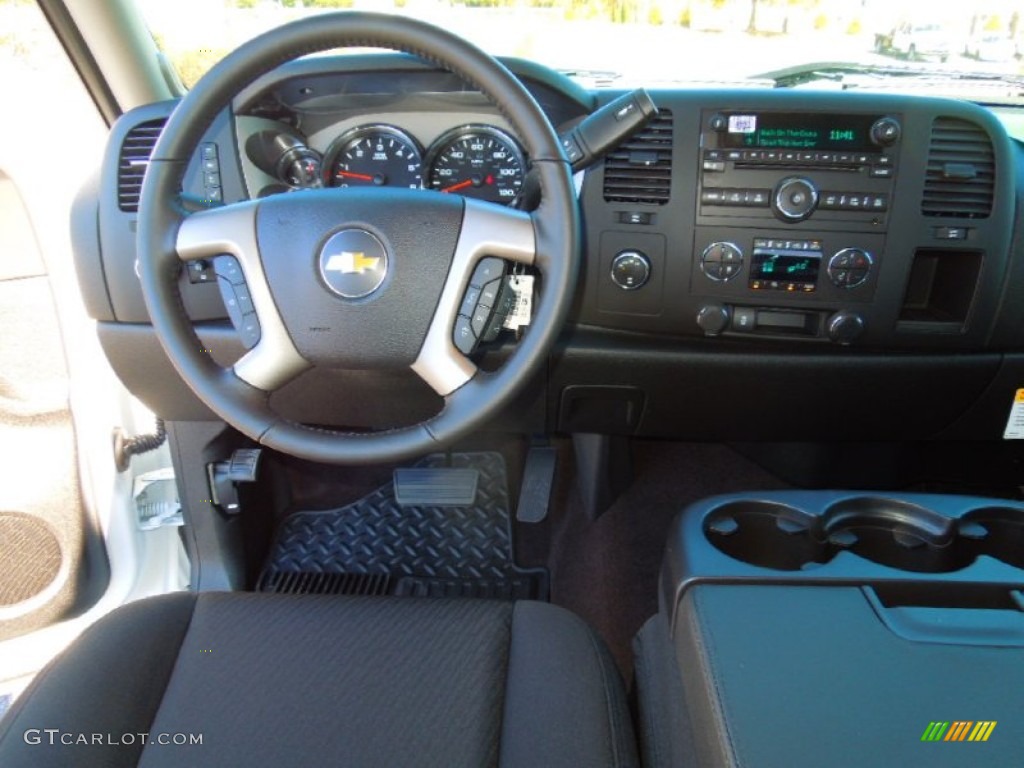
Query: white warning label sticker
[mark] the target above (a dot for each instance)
(1015, 424)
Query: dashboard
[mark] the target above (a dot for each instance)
(809, 265)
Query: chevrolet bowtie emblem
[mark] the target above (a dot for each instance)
(351, 263)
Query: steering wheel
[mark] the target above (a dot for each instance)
(354, 277)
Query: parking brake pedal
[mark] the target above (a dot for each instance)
(225, 476)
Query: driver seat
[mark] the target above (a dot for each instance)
(287, 680)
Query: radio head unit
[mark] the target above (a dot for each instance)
(792, 166)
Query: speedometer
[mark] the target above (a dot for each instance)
(477, 161)
(375, 155)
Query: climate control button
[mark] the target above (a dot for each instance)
(721, 261)
(850, 267)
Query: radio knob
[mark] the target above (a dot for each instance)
(886, 131)
(845, 327)
(713, 318)
(795, 198)
(631, 270)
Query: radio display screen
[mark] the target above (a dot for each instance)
(785, 271)
(773, 130)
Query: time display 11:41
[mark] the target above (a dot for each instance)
(841, 134)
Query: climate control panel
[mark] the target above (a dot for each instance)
(785, 270)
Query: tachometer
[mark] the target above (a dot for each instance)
(477, 161)
(375, 155)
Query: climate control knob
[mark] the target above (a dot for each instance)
(795, 198)
(845, 327)
(713, 318)
(631, 270)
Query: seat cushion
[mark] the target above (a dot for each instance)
(300, 680)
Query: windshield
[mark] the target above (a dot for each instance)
(622, 43)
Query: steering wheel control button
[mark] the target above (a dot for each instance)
(249, 330)
(353, 263)
(721, 261)
(631, 270)
(230, 299)
(487, 270)
(470, 300)
(229, 268)
(463, 336)
(850, 267)
(795, 198)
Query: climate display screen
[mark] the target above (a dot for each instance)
(786, 271)
(799, 131)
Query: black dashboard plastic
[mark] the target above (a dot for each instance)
(940, 342)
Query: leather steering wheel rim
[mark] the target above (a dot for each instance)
(162, 218)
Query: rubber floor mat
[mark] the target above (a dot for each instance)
(376, 546)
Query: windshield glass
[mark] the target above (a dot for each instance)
(622, 43)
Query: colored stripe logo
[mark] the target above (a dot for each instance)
(959, 730)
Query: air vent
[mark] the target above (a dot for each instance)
(135, 151)
(640, 171)
(961, 174)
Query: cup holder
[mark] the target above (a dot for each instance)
(890, 532)
(767, 534)
(897, 534)
(997, 532)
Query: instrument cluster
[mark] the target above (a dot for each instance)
(475, 160)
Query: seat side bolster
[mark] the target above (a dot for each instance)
(564, 701)
(110, 683)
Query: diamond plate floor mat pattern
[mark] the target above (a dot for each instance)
(376, 546)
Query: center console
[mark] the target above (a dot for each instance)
(861, 220)
(839, 629)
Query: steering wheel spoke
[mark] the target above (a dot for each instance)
(227, 237)
(487, 231)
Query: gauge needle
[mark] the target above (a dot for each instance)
(350, 175)
(457, 187)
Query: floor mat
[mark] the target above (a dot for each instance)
(376, 546)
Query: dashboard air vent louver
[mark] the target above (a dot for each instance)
(131, 166)
(640, 171)
(960, 180)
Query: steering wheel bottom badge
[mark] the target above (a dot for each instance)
(353, 263)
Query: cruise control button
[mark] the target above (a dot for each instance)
(463, 335)
(228, 267)
(249, 330)
(487, 270)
